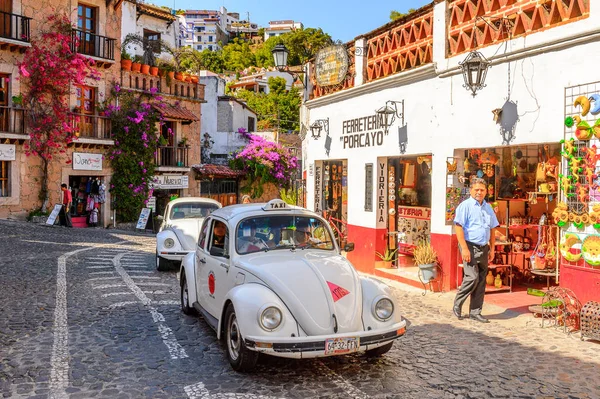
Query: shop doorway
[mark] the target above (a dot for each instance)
(163, 197)
(334, 196)
(409, 205)
(89, 195)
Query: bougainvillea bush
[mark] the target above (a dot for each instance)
(135, 129)
(264, 162)
(48, 69)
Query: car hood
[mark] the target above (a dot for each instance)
(314, 285)
(187, 230)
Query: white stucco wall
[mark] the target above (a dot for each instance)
(130, 25)
(442, 116)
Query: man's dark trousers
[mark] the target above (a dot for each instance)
(64, 217)
(473, 283)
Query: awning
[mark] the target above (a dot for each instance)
(219, 171)
(180, 113)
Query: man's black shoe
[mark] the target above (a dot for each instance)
(456, 312)
(479, 318)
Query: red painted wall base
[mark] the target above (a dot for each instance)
(585, 283)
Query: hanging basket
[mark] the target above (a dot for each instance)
(428, 272)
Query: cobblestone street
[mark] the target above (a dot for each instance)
(85, 314)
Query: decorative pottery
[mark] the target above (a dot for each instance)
(154, 71)
(498, 281)
(126, 65)
(428, 272)
(489, 279)
(568, 248)
(145, 69)
(590, 249)
(136, 66)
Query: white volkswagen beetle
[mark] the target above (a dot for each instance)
(269, 278)
(179, 228)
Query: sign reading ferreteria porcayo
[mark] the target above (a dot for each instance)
(331, 65)
(367, 131)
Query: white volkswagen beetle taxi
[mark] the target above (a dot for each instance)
(269, 278)
(179, 229)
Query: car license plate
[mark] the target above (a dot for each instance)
(337, 346)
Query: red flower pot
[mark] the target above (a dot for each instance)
(171, 75)
(179, 76)
(126, 65)
(145, 69)
(136, 66)
(162, 73)
(154, 71)
(195, 79)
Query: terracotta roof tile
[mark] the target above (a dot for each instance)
(211, 170)
(181, 113)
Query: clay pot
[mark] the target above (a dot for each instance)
(126, 65)
(136, 66)
(195, 79)
(145, 69)
(171, 75)
(154, 71)
(179, 76)
(162, 73)
(187, 78)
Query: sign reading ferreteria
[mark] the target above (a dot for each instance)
(170, 181)
(367, 131)
(331, 65)
(87, 161)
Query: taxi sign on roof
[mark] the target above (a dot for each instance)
(276, 205)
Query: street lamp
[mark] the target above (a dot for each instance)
(280, 55)
(389, 112)
(317, 126)
(474, 69)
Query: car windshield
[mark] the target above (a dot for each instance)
(266, 233)
(192, 210)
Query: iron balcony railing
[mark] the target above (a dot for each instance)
(171, 156)
(12, 120)
(91, 126)
(15, 27)
(93, 45)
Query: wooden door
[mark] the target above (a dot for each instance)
(86, 23)
(5, 18)
(4, 110)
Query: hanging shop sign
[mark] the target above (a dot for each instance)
(331, 65)
(414, 212)
(170, 181)
(318, 187)
(367, 131)
(87, 161)
(7, 152)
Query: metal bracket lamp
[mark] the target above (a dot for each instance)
(317, 126)
(280, 55)
(389, 112)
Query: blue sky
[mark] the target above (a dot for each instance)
(343, 20)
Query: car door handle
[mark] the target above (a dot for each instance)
(202, 260)
(225, 266)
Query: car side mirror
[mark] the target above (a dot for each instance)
(349, 247)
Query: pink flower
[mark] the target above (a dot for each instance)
(24, 71)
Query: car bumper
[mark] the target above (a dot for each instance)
(310, 347)
(173, 256)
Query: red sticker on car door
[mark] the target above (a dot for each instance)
(337, 292)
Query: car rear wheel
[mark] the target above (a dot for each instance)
(239, 356)
(185, 297)
(162, 265)
(380, 350)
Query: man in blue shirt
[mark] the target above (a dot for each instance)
(475, 224)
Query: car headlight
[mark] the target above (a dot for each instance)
(384, 308)
(169, 243)
(270, 318)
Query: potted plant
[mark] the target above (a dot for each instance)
(136, 64)
(125, 60)
(150, 48)
(183, 142)
(17, 100)
(426, 258)
(386, 258)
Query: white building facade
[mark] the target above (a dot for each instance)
(413, 67)
(151, 22)
(278, 28)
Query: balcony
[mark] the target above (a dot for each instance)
(171, 157)
(14, 32)
(100, 48)
(90, 128)
(184, 90)
(12, 124)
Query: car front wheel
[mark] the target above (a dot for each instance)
(162, 265)
(185, 297)
(380, 350)
(239, 356)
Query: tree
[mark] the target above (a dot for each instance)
(201, 60)
(237, 55)
(394, 15)
(302, 45)
(48, 69)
